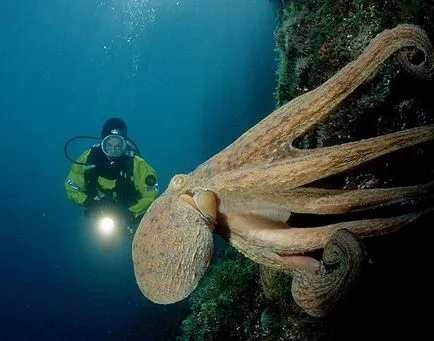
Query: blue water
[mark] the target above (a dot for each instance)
(187, 76)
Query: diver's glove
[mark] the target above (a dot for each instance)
(123, 217)
(96, 206)
(125, 214)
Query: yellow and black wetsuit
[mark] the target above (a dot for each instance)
(133, 182)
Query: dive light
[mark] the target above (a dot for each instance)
(107, 226)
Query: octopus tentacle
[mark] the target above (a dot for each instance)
(320, 294)
(281, 127)
(275, 237)
(278, 206)
(319, 164)
(273, 260)
(409, 61)
(324, 201)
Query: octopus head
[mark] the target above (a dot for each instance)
(173, 245)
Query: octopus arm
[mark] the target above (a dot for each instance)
(319, 163)
(254, 235)
(320, 294)
(309, 200)
(291, 120)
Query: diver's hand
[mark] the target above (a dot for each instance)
(90, 206)
(102, 207)
(97, 206)
(109, 207)
(125, 214)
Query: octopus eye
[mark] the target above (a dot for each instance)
(203, 202)
(178, 182)
(206, 203)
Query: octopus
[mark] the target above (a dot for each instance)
(247, 192)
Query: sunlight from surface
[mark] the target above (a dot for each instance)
(126, 22)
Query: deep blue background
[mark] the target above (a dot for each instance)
(188, 76)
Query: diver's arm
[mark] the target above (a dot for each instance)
(146, 183)
(74, 183)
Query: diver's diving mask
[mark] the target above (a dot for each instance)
(113, 146)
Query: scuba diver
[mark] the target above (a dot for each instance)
(111, 181)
